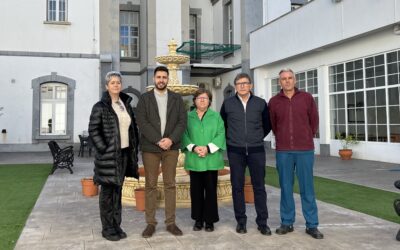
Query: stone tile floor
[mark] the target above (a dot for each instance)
(63, 219)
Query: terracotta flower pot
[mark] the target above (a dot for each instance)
(223, 171)
(88, 187)
(345, 154)
(248, 193)
(140, 199)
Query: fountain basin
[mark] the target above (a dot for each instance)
(224, 189)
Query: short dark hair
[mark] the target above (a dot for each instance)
(240, 76)
(201, 91)
(161, 68)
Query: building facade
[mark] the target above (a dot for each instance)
(348, 61)
(54, 55)
(49, 77)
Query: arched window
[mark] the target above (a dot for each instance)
(53, 108)
(135, 94)
(229, 91)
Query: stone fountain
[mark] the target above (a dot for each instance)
(224, 189)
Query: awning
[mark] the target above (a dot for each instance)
(206, 50)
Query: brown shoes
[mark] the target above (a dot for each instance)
(148, 231)
(173, 229)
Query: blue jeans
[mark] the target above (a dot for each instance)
(256, 164)
(301, 162)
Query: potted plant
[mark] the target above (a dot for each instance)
(346, 141)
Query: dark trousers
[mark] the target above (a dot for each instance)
(203, 194)
(256, 164)
(110, 202)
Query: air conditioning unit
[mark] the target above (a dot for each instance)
(217, 82)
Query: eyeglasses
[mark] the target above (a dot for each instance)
(121, 107)
(202, 98)
(242, 84)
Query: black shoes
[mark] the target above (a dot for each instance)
(284, 229)
(110, 235)
(209, 227)
(241, 228)
(264, 230)
(315, 233)
(120, 232)
(198, 225)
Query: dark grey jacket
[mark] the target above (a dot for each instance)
(245, 129)
(149, 122)
(105, 134)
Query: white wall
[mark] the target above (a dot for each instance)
(168, 24)
(22, 27)
(319, 24)
(17, 97)
(374, 43)
(207, 22)
(274, 9)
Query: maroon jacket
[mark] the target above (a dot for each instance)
(294, 121)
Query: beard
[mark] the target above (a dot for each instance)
(160, 86)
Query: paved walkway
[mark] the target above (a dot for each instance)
(63, 219)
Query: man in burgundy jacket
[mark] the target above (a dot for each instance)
(294, 121)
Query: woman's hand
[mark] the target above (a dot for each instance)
(201, 151)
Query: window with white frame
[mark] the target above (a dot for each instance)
(53, 109)
(193, 35)
(364, 98)
(57, 10)
(228, 23)
(129, 34)
(275, 86)
(308, 81)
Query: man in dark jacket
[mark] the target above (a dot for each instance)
(113, 130)
(161, 118)
(294, 120)
(247, 122)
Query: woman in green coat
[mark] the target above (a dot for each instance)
(203, 143)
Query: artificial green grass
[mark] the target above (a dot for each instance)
(371, 201)
(20, 186)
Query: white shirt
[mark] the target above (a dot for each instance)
(244, 102)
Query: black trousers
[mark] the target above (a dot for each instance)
(110, 201)
(256, 163)
(203, 193)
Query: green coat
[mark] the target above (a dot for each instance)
(201, 132)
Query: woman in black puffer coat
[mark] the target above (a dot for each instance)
(114, 133)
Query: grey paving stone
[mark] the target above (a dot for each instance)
(63, 219)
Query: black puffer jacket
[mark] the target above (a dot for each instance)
(104, 131)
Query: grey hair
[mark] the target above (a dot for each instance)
(286, 70)
(111, 74)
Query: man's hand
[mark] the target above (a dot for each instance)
(165, 143)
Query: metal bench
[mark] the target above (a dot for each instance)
(62, 158)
